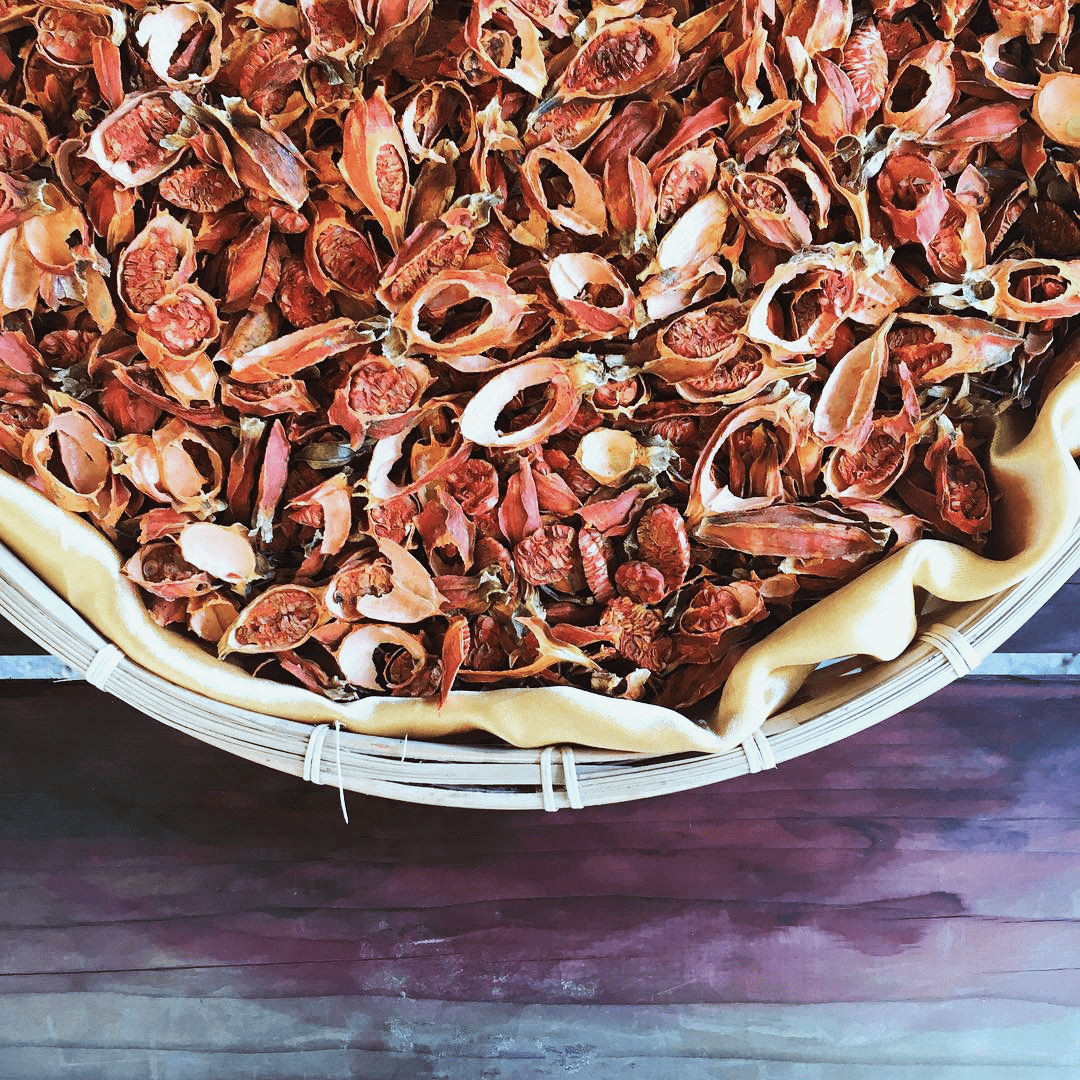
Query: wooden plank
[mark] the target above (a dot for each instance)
(905, 898)
(399, 1037)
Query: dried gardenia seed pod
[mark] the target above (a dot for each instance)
(787, 413)
(631, 203)
(71, 460)
(327, 507)
(507, 43)
(913, 197)
(377, 390)
(768, 210)
(694, 343)
(141, 140)
(568, 124)
(638, 633)
(178, 326)
(844, 411)
(547, 556)
(917, 111)
(22, 139)
(155, 263)
(963, 497)
(283, 617)
(1055, 107)
(437, 109)
(210, 615)
(298, 299)
(682, 181)
(293, 352)
(566, 380)
(610, 455)
(811, 530)
(740, 377)
(936, 347)
(159, 568)
(182, 42)
(463, 346)
(624, 57)
(395, 588)
(1034, 20)
(174, 464)
(339, 257)
(593, 293)
(334, 29)
(664, 544)
(867, 66)
(375, 165)
(206, 189)
(224, 552)
(584, 213)
(872, 470)
(442, 244)
(1019, 290)
(358, 657)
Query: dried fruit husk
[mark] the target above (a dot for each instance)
(22, 139)
(141, 139)
(807, 531)
(70, 457)
(159, 568)
(507, 43)
(377, 394)
(870, 469)
(294, 352)
(463, 346)
(375, 165)
(183, 43)
(357, 658)
(283, 617)
(430, 248)
(585, 214)
(174, 464)
(624, 57)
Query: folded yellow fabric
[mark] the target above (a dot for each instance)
(1038, 508)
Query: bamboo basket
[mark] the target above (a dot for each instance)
(838, 700)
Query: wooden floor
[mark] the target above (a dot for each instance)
(904, 905)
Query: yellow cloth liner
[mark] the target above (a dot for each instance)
(1037, 509)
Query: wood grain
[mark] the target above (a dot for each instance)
(907, 898)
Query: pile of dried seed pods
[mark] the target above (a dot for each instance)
(402, 346)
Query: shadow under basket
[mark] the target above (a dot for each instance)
(839, 699)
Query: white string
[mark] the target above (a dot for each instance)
(340, 782)
(102, 668)
(759, 755)
(956, 648)
(313, 754)
(404, 745)
(547, 787)
(753, 756)
(768, 759)
(570, 778)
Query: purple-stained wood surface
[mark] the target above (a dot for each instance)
(901, 904)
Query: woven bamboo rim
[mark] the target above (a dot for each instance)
(837, 701)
